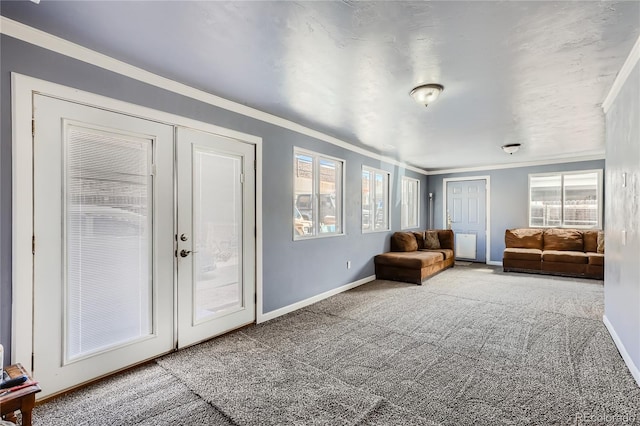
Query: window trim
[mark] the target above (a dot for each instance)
(316, 156)
(599, 194)
(387, 209)
(417, 200)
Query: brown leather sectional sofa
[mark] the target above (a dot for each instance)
(567, 252)
(412, 259)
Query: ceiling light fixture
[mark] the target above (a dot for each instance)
(426, 93)
(511, 148)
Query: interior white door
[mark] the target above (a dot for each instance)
(216, 235)
(467, 211)
(103, 232)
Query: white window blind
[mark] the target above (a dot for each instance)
(108, 240)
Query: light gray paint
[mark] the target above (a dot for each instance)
(531, 72)
(509, 197)
(293, 271)
(622, 206)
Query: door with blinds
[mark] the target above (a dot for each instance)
(104, 242)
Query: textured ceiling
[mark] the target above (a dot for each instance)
(533, 73)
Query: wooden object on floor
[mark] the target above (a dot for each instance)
(21, 400)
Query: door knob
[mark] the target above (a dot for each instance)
(184, 253)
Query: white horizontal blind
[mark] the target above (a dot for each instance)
(107, 240)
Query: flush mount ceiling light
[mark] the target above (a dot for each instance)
(426, 93)
(511, 148)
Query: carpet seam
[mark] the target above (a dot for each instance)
(198, 395)
(367, 391)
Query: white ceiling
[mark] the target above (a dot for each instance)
(533, 72)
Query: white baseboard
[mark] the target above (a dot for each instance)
(310, 301)
(494, 263)
(635, 372)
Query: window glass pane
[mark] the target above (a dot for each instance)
(304, 195)
(108, 195)
(367, 212)
(545, 204)
(379, 202)
(317, 195)
(329, 199)
(375, 200)
(410, 203)
(581, 199)
(217, 229)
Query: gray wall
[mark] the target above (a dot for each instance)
(293, 271)
(622, 268)
(509, 197)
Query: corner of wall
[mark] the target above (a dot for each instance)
(633, 368)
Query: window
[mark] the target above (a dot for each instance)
(317, 197)
(410, 209)
(375, 200)
(572, 200)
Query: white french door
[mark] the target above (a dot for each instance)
(120, 263)
(216, 235)
(103, 220)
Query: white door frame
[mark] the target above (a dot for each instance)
(487, 207)
(22, 89)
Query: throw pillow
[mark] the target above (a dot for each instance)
(600, 242)
(431, 240)
(419, 239)
(403, 241)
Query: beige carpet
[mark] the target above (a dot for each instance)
(471, 346)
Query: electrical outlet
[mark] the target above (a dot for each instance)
(348, 264)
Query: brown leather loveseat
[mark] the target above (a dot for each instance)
(415, 256)
(567, 252)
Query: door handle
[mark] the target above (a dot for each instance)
(185, 253)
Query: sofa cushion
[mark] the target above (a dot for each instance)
(414, 260)
(403, 242)
(523, 238)
(564, 268)
(564, 256)
(600, 242)
(523, 254)
(520, 265)
(590, 239)
(596, 259)
(431, 240)
(447, 253)
(419, 236)
(562, 239)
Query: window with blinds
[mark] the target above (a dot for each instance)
(108, 240)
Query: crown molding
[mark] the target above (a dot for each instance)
(64, 47)
(560, 160)
(623, 75)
